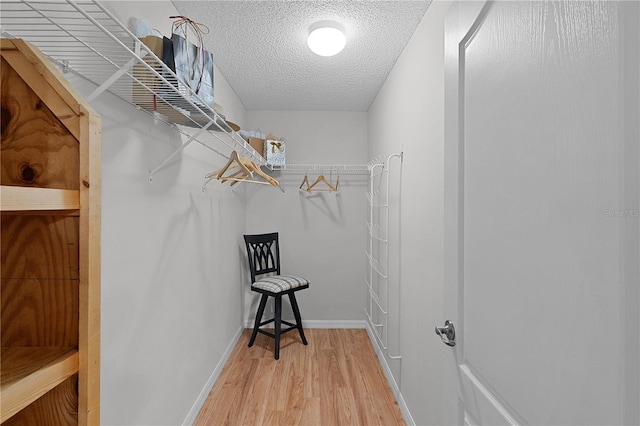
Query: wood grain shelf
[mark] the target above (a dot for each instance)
(27, 373)
(22, 198)
(50, 245)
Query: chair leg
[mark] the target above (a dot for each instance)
(278, 318)
(296, 314)
(256, 325)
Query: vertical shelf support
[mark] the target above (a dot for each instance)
(378, 168)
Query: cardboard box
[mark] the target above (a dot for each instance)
(147, 80)
(148, 83)
(257, 144)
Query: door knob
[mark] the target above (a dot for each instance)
(447, 333)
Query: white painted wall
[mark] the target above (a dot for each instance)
(407, 116)
(174, 270)
(322, 235)
(170, 270)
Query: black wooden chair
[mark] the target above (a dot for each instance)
(263, 252)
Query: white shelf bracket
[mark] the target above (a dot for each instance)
(177, 151)
(105, 86)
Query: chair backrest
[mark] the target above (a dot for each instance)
(263, 252)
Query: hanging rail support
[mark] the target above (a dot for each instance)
(206, 182)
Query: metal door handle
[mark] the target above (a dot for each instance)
(447, 333)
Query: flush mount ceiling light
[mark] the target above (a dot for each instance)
(326, 38)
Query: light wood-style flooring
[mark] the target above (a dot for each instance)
(335, 380)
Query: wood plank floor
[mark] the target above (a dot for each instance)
(335, 380)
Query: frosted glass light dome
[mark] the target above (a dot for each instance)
(326, 39)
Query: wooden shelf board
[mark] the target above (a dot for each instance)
(22, 198)
(27, 373)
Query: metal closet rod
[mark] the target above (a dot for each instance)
(343, 169)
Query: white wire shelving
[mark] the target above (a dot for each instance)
(341, 169)
(378, 253)
(85, 38)
(302, 169)
(332, 170)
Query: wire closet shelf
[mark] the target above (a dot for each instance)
(342, 169)
(85, 38)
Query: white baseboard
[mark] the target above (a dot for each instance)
(404, 409)
(333, 324)
(323, 324)
(202, 398)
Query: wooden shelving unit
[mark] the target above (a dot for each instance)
(29, 373)
(50, 245)
(15, 198)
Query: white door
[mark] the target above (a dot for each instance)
(541, 213)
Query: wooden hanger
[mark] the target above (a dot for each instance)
(256, 169)
(322, 179)
(245, 171)
(305, 180)
(234, 162)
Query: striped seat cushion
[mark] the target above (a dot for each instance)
(279, 283)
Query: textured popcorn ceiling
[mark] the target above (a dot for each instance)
(261, 49)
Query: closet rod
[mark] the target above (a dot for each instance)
(343, 169)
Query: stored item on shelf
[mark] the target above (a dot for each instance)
(257, 144)
(143, 96)
(147, 85)
(143, 28)
(221, 120)
(246, 134)
(143, 75)
(255, 138)
(154, 43)
(274, 151)
(193, 65)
